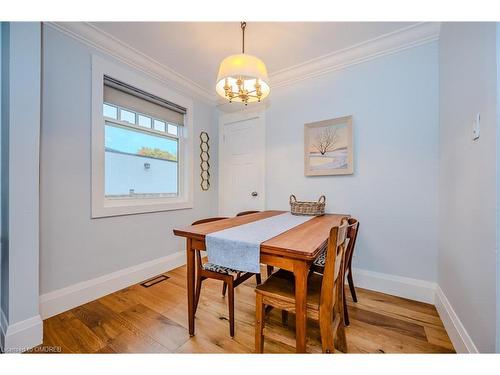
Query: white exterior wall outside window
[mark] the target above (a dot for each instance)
(141, 159)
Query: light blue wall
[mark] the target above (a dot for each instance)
(21, 80)
(467, 188)
(1, 177)
(498, 188)
(4, 256)
(74, 247)
(393, 191)
(124, 172)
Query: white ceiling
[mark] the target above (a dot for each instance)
(195, 49)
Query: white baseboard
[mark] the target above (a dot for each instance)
(64, 299)
(21, 336)
(454, 327)
(423, 291)
(75, 295)
(418, 290)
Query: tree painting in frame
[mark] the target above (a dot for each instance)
(328, 147)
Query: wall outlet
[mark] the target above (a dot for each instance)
(476, 128)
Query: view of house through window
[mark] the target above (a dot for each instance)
(141, 154)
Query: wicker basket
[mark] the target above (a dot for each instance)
(307, 208)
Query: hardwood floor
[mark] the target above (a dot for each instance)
(154, 320)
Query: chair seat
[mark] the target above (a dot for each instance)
(219, 269)
(281, 285)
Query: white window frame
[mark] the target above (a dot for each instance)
(105, 207)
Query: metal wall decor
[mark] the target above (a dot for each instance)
(204, 163)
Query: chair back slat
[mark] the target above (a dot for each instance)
(352, 234)
(243, 213)
(340, 248)
(333, 273)
(338, 264)
(207, 220)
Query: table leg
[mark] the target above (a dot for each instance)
(300, 270)
(190, 285)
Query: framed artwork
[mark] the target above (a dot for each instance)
(328, 147)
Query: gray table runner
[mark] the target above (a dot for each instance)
(239, 247)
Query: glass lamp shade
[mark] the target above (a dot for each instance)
(247, 68)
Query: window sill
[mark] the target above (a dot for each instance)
(122, 207)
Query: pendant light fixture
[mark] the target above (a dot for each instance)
(242, 78)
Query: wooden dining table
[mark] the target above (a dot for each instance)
(293, 250)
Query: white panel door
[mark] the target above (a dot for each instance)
(242, 163)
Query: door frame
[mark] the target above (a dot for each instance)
(235, 117)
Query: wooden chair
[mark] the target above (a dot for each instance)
(231, 278)
(243, 213)
(324, 296)
(319, 263)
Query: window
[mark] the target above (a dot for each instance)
(110, 111)
(127, 116)
(144, 121)
(141, 145)
(159, 125)
(139, 163)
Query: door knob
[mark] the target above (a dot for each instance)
(254, 194)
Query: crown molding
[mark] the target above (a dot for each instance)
(387, 44)
(383, 45)
(99, 39)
